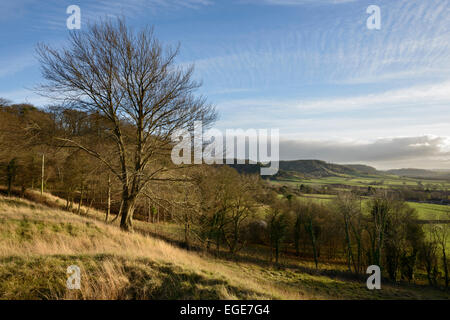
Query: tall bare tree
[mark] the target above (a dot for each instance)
(132, 82)
(347, 205)
(441, 233)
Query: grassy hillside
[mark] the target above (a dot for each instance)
(364, 169)
(316, 168)
(38, 243)
(313, 169)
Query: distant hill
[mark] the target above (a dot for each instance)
(316, 168)
(320, 169)
(365, 169)
(419, 173)
(312, 169)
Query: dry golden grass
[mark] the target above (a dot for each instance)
(38, 243)
(29, 232)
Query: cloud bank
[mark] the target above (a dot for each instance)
(424, 152)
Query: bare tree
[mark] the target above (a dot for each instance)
(242, 208)
(132, 82)
(278, 222)
(441, 233)
(348, 206)
(4, 102)
(429, 257)
(312, 230)
(380, 207)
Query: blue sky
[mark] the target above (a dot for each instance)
(336, 90)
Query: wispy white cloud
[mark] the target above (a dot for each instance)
(363, 127)
(413, 44)
(412, 97)
(417, 96)
(13, 64)
(14, 9)
(54, 16)
(139, 7)
(411, 111)
(297, 2)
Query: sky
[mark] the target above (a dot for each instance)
(336, 90)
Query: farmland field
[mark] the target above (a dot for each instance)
(426, 211)
(376, 181)
(429, 211)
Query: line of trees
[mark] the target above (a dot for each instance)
(385, 232)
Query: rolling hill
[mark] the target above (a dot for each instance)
(313, 169)
(323, 169)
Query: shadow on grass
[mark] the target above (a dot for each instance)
(45, 278)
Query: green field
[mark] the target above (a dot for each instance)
(426, 211)
(344, 182)
(388, 181)
(430, 211)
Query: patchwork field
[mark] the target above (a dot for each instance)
(426, 211)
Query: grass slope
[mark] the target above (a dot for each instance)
(38, 243)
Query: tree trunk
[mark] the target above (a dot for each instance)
(81, 200)
(126, 221)
(90, 206)
(42, 174)
(108, 210)
(119, 213)
(297, 236)
(358, 269)
(186, 232)
(157, 216)
(9, 187)
(218, 242)
(349, 246)
(235, 238)
(313, 242)
(444, 258)
(277, 251)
